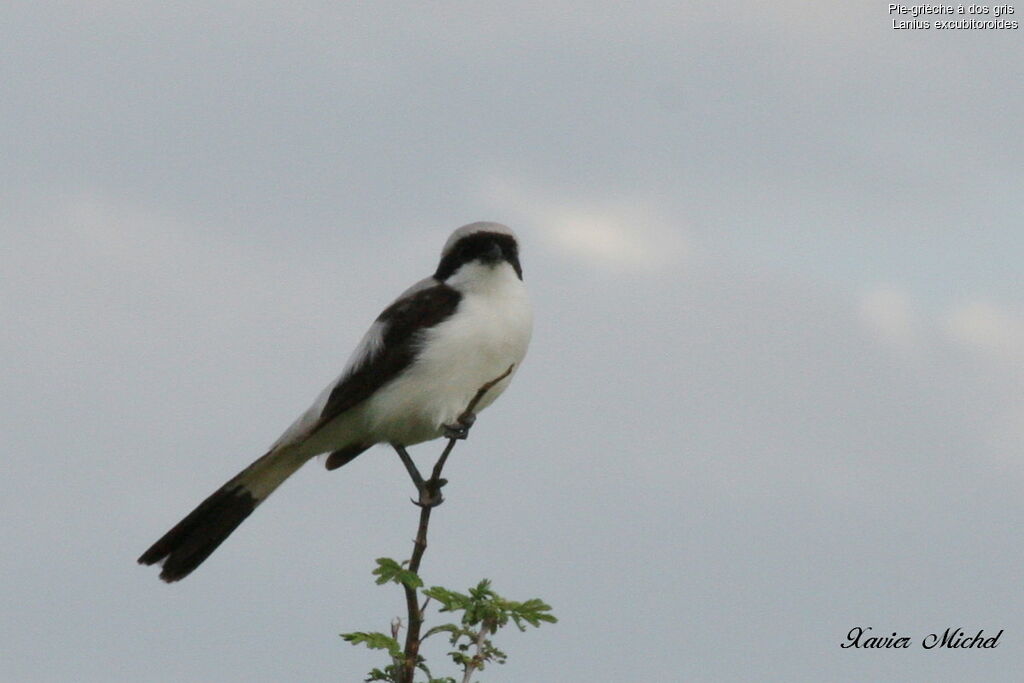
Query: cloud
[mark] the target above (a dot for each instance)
(986, 327)
(887, 313)
(980, 326)
(618, 234)
(995, 335)
(623, 237)
(983, 373)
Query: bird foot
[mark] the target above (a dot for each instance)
(460, 430)
(430, 493)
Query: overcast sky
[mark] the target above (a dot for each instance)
(775, 386)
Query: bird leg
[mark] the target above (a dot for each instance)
(429, 490)
(460, 430)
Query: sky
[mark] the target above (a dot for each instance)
(774, 391)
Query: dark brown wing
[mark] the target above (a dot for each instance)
(403, 321)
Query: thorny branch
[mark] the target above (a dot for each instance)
(429, 498)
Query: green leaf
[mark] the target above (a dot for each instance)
(532, 612)
(375, 641)
(484, 612)
(451, 601)
(389, 570)
(443, 628)
(388, 676)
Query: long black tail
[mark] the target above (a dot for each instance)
(191, 541)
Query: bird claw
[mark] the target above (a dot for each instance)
(430, 494)
(460, 430)
(455, 432)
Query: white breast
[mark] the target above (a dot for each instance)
(489, 331)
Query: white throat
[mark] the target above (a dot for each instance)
(481, 278)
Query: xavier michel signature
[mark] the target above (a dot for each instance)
(951, 638)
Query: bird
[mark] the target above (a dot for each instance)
(461, 331)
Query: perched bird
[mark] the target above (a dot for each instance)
(409, 380)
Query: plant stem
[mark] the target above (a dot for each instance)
(433, 487)
(471, 667)
(412, 636)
